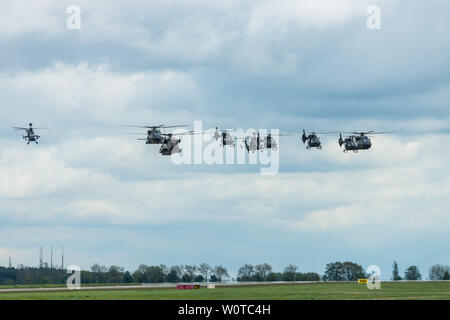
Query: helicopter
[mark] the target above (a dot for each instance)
(313, 139)
(29, 133)
(227, 139)
(268, 142)
(154, 135)
(170, 145)
(357, 140)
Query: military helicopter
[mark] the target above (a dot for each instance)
(170, 145)
(29, 133)
(255, 143)
(313, 139)
(154, 135)
(227, 139)
(358, 140)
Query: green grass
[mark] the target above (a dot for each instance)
(420, 290)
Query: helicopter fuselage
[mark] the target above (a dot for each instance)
(314, 142)
(363, 142)
(154, 137)
(227, 139)
(30, 136)
(170, 146)
(312, 139)
(355, 143)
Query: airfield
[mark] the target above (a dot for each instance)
(399, 290)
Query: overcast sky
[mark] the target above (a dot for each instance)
(285, 64)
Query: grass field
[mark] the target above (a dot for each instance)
(406, 290)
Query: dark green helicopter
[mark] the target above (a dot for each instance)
(313, 139)
(358, 140)
(154, 135)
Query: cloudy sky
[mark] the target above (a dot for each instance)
(285, 64)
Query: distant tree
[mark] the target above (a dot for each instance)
(213, 278)
(155, 274)
(115, 274)
(395, 272)
(99, 273)
(438, 272)
(353, 271)
(412, 273)
(334, 272)
(165, 270)
(199, 278)
(263, 270)
(127, 278)
(446, 275)
(186, 278)
(204, 270)
(289, 273)
(140, 275)
(220, 272)
(190, 271)
(246, 273)
(172, 276)
(343, 271)
(179, 270)
(96, 268)
(272, 276)
(309, 276)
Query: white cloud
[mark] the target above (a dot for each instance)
(39, 16)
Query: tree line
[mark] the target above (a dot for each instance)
(436, 272)
(100, 274)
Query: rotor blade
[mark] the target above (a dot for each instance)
(136, 133)
(279, 134)
(383, 132)
(181, 133)
(335, 132)
(127, 125)
(20, 128)
(178, 126)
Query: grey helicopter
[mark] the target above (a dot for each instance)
(29, 135)
(255, 142)
(154, 135)
(313, 140)
(225, 135)
(358, 140)
(170, 144)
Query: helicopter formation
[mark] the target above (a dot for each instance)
(354, 141)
